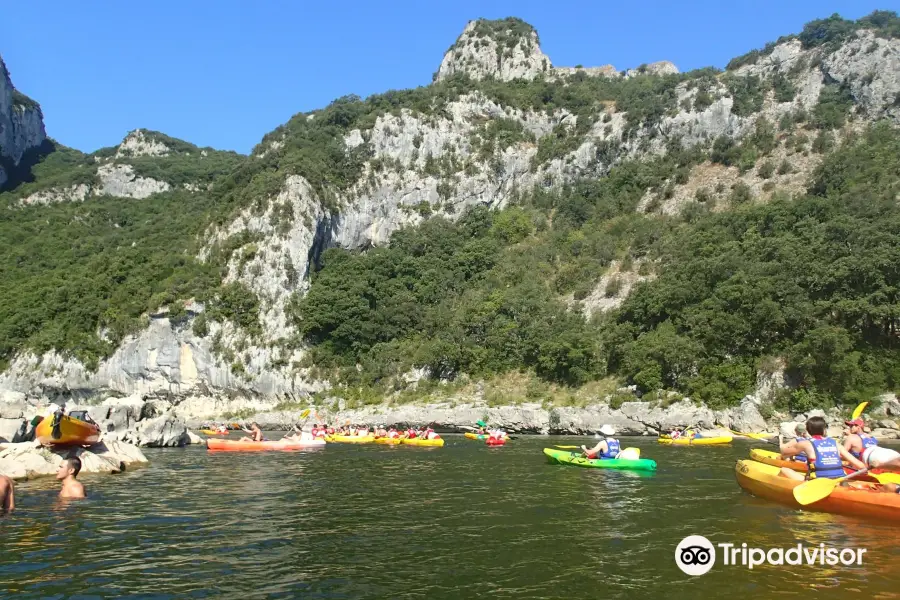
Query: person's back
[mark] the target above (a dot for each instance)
(7, 495)
(67, 473)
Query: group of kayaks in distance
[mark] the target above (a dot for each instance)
(856, 476)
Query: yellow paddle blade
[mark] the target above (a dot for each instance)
(859, 410)
(304, 414)
(567, 447)
(814, 490)
(887, 477)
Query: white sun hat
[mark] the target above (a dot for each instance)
(608, 430)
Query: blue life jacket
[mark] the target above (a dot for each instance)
(802, 456)
(612, 449)
(828, 459)
(867, 442)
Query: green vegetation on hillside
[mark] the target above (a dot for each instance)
(814, 280)
(828, 32)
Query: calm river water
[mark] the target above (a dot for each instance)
(455, 522)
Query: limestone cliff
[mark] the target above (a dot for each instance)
(441, 160)
(21, 125)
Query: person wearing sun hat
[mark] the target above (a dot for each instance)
(866, 448)
(608, 447)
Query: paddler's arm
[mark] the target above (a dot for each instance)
(854, 462)
(789, 449)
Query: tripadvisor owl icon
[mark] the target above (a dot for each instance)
(695, 555)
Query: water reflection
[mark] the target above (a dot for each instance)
(401, 522)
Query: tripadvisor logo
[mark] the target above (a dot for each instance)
(696, 555)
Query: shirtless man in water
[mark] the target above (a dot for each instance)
(68, 471)
(255, 433)
(7, 495)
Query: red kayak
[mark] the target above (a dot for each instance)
(495, 441)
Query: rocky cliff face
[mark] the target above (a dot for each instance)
(21, 124)
(422, 163)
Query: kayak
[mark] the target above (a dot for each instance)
(722, 439)
(767, 457)
(563, 457)
(858, 498)
(494, 442)
(753, 436)
(419, 442)
(388, 441)
(212, 432)
(67, 431)
(475, 436)
(350, 439)
(238, 446)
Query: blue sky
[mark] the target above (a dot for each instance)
(223, 73)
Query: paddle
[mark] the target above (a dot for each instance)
(859, 410)
(752, 436)
(567, 447)
(820, 488)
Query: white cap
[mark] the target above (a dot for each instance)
(607, 430)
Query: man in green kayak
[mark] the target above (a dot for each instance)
(606, 448)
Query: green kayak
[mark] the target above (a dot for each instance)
(563, 457)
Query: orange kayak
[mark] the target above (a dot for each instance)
(238, 446)
(68, 431)
(773, 458)
(859, 498)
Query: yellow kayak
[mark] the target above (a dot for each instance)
(388, 441)
(67, 431)
(350, 439)
(704, 441)
(418, 442)
(213, 432)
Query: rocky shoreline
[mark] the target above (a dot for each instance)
(165, 422)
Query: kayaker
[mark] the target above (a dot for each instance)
(800, 435)
(496, 434)
(608, 447)
(411, 433)
(392, 433)
(857, 441)
(67, 473)
(7, 495)
(429, 434)
(362, 430)
(329, 430)
(824, 454)
(319, 432)
(255, 432)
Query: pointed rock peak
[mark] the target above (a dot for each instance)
(504, 49)
(143, 142)
(663, 67)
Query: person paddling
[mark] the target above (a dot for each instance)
(255, 432)
(607, 448)
(429, 434)
(67, 473)
(7, 495)
(824, 454)
(392, 433)
(800, 435)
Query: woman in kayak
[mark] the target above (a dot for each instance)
(362, 430)
(255, 432)
(429, 434)
(411, 433)
(606, 448)
(824, 454)
(392, 433)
